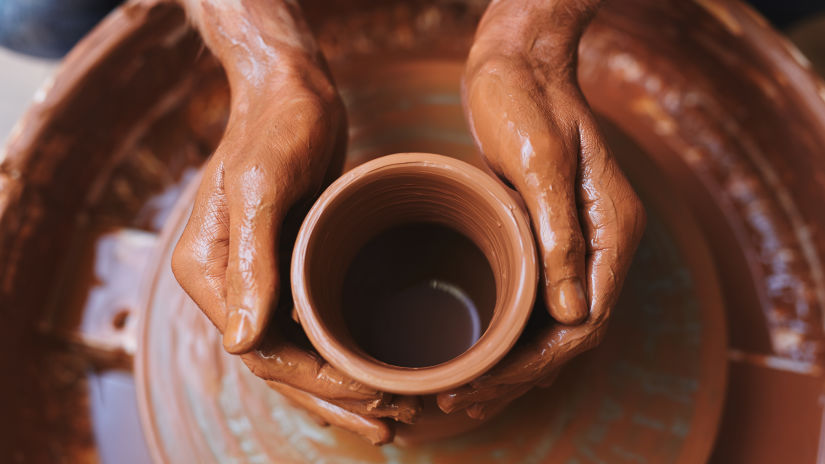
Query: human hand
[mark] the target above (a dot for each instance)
(535, 130)
(286, 136)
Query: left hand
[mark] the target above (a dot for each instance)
(535, 129)
(285, 138)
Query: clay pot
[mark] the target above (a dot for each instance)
(387, 225)
(727, 113)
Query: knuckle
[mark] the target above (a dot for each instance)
(310, 108)
(251, 173)
(196, 257)
(634, 214)
(183, 262)
(254, 185)
(491, 63)
(305, 77)
(494, 69)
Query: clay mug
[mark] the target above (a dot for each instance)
(415, 273)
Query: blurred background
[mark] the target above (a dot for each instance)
(35, 34)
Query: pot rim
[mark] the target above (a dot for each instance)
(496, 341)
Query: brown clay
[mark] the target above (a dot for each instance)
(285, 135)
(192, 387)
(527, 116)
(729, 112)
(374, 430)
(535, 129)
(270, 157)
(398, 190)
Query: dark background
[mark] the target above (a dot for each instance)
(49, 28)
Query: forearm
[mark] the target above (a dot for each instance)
(261, 43)
(547, 31)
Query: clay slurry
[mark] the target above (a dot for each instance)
(418, 295)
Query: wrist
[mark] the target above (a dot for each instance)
(293, 76)
(260, 44)
(538, 30)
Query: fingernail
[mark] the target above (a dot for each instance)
(446, 402)
(571, 302)
(477, 411)
(238, 335)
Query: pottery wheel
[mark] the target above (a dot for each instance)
(653, 391)
(702, 101)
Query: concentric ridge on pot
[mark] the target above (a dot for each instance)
(389, 193)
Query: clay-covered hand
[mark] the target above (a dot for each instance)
(285, 137)
(536, 130)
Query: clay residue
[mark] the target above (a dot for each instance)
(670, 39)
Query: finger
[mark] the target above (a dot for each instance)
(482, 411)
(521, 141)
(466, 396)
(550, 379)
(400, 408)
(283, 362)
(562, 249)
(377, 431)
(549, 192)
(252, 280)
(200, 256)
(339, 152)
(613, 219)
(528, 363)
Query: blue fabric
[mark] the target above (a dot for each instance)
(48, 28)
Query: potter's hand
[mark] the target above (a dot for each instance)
(286, 135)
(535, 129)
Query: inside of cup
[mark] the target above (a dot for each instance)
(409, 267)
(418, 295)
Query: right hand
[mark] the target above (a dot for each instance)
(535, 129)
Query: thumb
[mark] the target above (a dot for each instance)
(252, 279)
(561, 246)
(550, 195)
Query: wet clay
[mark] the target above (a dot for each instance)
(738, 144)
(414, 225)
(270, 157)
(528, 118)
(418, 295)
(663, 338)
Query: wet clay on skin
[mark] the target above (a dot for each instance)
(528, 118)
(271, 158)
(625, 46)
(418, 295)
